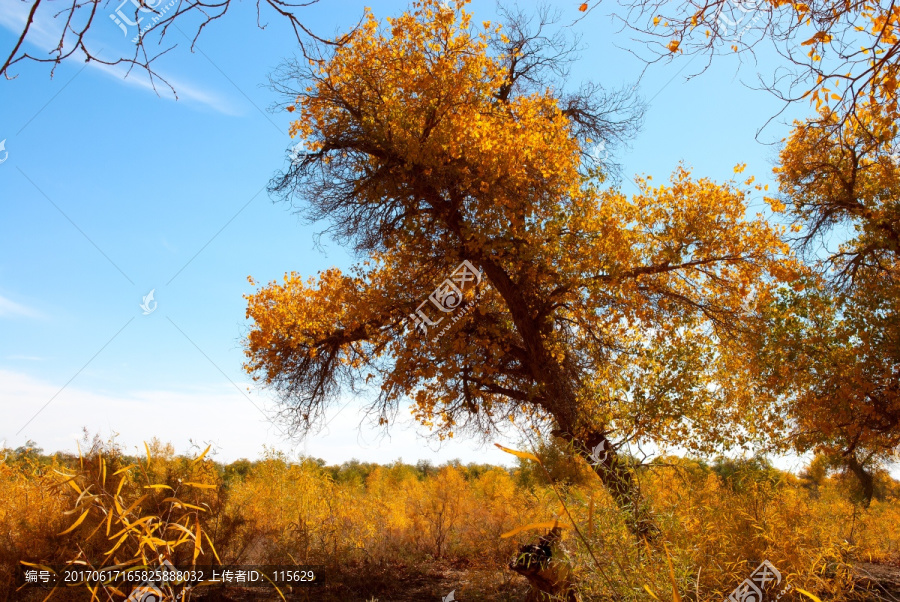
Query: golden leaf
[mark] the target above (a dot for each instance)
(76, 523)
(812, 597)
(519, 454)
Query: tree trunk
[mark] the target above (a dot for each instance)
(560, 398)
(617, 477)
(865, 478)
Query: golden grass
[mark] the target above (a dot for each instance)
(368, 524)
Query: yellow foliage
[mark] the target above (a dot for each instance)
(598, 310)
(355, 518)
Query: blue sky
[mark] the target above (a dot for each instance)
(110, 190)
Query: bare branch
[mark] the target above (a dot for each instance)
(146, 22)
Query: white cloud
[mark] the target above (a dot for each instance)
(9, 308)
(221, 415)
(212, 414)
(216, 414)
(139, 79)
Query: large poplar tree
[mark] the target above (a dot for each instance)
(431, 141)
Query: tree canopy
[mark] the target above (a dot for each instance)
(833, 347)
(431, 141)
(837, 54)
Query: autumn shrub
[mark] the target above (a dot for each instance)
(105, 510)
(719, 523)
(360, 521)
(31, 514)
(299, 512)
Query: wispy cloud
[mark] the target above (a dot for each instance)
(9, 308)
(138, 78)
(44, 35)
(206, 414)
